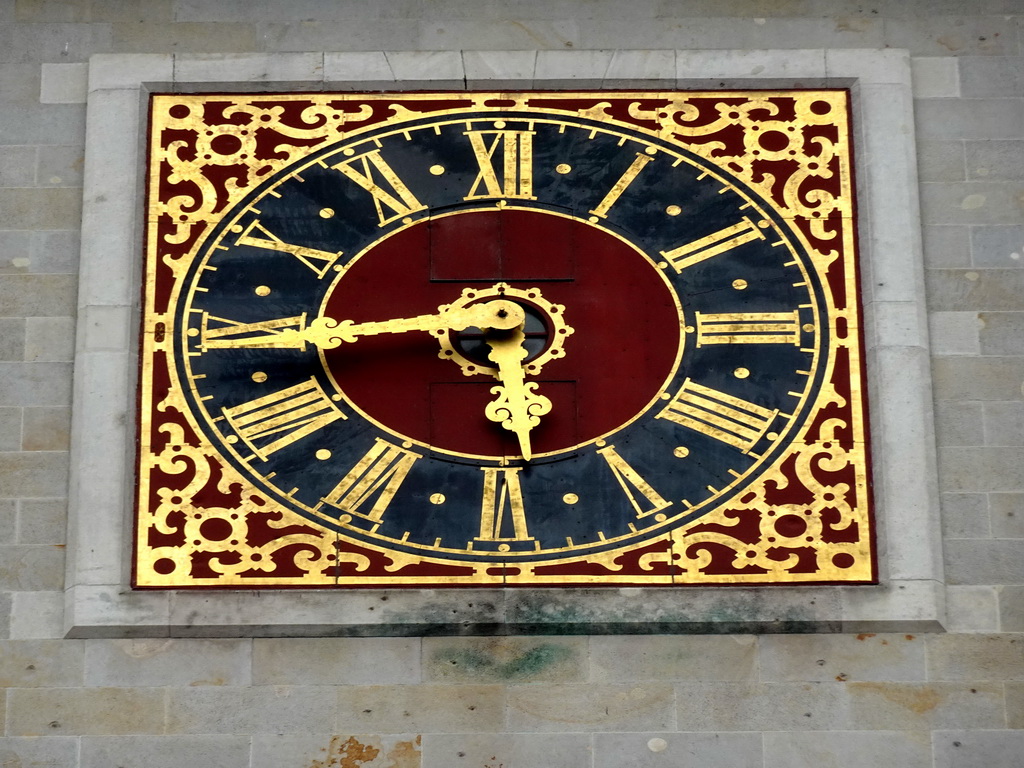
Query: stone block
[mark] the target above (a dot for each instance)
(46, 429)
(64, 83)
(637, 69)
(954, 333)
(998, 247)
(958, 423)
(17, 166)
(12, 339)
(37, 615)
(965, 515)
(974, 290)
(935, 77)
(53, 208)
(654, 750)
(995, 160)
(1007, 511)
(42, 521)
(295, 69)
(40, 664)
(420, 708)
(5, 614)
(355, 69)
(19, 79)
(125, 71)
(498, 35)
(925, 706)
(896, 605)
(941, 160)
(90, 611)
(972, 609)
(1002, 333)
(15, 251)
(335, 661)
(499, 69)
(49, 339)
(35, 384)
(981, 469)
(847, 749)
(108, 328)
(50, 252)
(260, 709)
(897, 323)
(26, 752)
(973, 202)
(930, 32)
(60, 166)
(54, 42)
(946, 247)
(740, 65)
(242, 10)
(993, 658)
(31, 568)
(891, 67)
(1011, 609)
(1015, 705)
(758, 706)
(36, 295)
(676, 657)
(325, 750)
(1001, 76)
(30, 123)
(866, 656)
(981, 119)
(441, 67)
(371, 36)
(972, 378)
(33, 474)
(1004, 423)
(84, 711)
(992, 749)
(8, 513)
(504, 659)
(998, 562)
(159, 37)
(594, 707)
(167, 662)
(508, 750)
(165, 751)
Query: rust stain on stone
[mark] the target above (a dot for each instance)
(865, 635)
(916, 699)
(405, 754)
(346, 754)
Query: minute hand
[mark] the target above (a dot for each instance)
(327, 333)
(517, 406)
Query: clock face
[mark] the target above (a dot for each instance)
(501, 340)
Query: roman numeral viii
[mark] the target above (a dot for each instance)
(723, 417)
(505, 159)
(279, 333)
(268, 424)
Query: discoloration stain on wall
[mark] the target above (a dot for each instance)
(506, 664)
(917, 699)
(368, 752)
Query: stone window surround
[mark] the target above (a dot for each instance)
(99, 600)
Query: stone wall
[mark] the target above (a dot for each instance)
(952, 699)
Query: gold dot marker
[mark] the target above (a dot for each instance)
(499, 123)
(335, 398)
(193, 331)
(563, 168)
(772, 435)
(661, 517)
(741, 373)
(231, 438)
(740, 284)
(673, 210)
(259, 377)
(236, 228)
(570, 498)
(437, 498)
(764, 223)
(437, 170)
(809, 327)
(600, 443)
(348, 151)
(326, 213)
(262, 290)
(592, 219)
(681, 452)
(323, 454)
(651, 150)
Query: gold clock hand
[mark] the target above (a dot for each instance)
(327, 333)
(518, 408)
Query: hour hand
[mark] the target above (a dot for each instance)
(327, 333)
(518, 408)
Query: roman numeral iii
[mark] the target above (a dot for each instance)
(268, 424)
(749, 328)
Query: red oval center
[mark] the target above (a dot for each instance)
(624, 345)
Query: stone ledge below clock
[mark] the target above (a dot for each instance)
(114, 612)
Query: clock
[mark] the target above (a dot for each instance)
(468, 339)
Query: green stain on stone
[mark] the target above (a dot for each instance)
(528, 663)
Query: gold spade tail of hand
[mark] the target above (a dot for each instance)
(518, 407)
